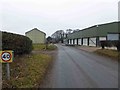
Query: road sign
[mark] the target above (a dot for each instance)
(6, 56)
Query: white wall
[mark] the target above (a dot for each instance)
(112, 36)
(69, 42)
(85, 41)
(79, 41)
(72, 41)
(36, 36)
(75, 41)
(102, 38)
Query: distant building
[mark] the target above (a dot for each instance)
(36, 36)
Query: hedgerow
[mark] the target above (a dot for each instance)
(18, 43)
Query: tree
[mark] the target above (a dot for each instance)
(69, 31)
(49, 39)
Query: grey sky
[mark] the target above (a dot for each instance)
(19, 16)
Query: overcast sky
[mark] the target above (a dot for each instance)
(19, 16)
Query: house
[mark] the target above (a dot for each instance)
(36, 36)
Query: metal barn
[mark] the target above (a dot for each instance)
(93, 35)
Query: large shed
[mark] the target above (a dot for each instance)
(36, 36)
(92, 36)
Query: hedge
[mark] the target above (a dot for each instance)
(18, 43)
(109, 43)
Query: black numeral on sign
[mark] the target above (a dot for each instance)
(6, 56)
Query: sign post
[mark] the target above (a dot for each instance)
(8, 71)
(6, 57)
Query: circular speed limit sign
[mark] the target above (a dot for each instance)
(6, 56)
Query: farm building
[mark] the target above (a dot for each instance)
(93, 35)
(36, 36)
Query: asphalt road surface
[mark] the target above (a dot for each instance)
(75, 68)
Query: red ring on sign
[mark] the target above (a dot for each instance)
(6, 60)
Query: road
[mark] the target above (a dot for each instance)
(75, 68)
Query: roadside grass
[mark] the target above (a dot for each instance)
(39, 46)
(109, 53)
(44, 47)
(51, 47)
(27, 71)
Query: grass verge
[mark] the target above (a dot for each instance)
(27, 71)
(109, 53)
(39, 47)
(51, 47)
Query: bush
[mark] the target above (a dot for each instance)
(116, 44)
(18, 43)
(109, 43)
(104, 44)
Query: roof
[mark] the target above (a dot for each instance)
(35, 29)
(96, 26)
(109, 23)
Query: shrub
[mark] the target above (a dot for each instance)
(116, 43)
(18, 43)
(109, 43)
(103, 44)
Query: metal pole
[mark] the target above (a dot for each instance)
(8, 71)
